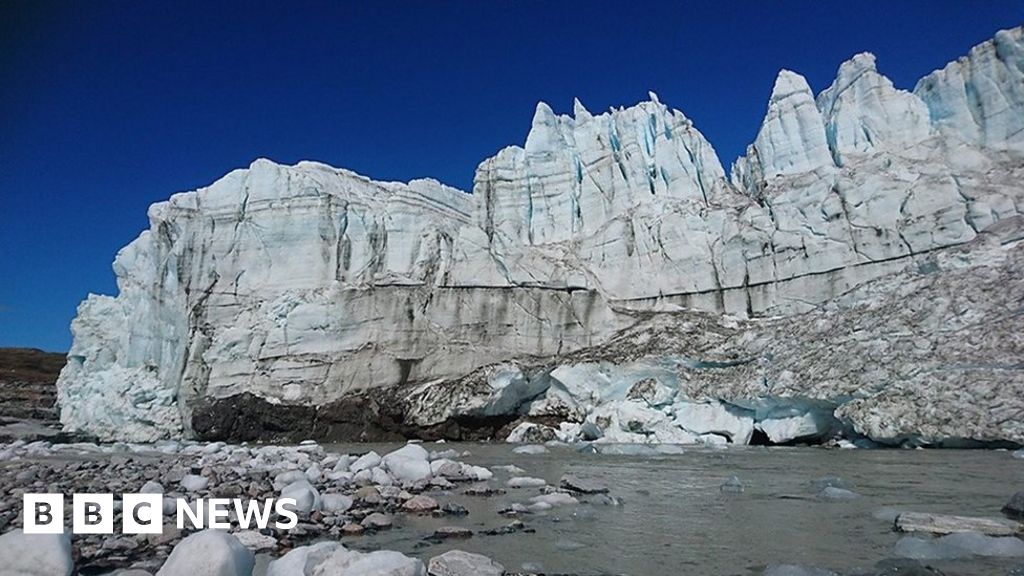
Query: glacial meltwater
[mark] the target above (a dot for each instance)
(675, 518)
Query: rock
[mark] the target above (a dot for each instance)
(352, 529)
(301, 561)
(151, 487)
(343, 463)
(335, 503)
(483, 489)
(460, 563)
(447, 532)
(194, 483)
(379, 477)
(451, 509)
(476, 472)
(1015, 507)
(285, 478)
(732, 485)
(420, 504)
(35, 554)
(365, 462)
(169, 533)
(570, 482)
(368, 494)
(530, 449)
(941, 524)
(833, 494)
(377, 521)
(590, 431)
(554, 499)
(408, 464)
(307, 498)
(445, 467)
(122, 544)
(960, 545)
(381, 563)
(531, 433)
(209, 553)
(525, 482)
(255, 541)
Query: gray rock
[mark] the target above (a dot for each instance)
(1015, 507)
(194, 483)
(733, 485)
(35, 554)
(209, 553)
(570, 482)
(377, 521)
(460, 563)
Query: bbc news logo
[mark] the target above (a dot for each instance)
(144, 513)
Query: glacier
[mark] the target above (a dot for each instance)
(857, 273)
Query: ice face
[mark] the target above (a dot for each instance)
(306, 284)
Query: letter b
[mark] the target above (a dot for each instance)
(43, 513)
(92, 513)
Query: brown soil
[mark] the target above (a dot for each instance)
(27, 383)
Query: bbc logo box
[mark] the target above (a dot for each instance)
(92, 513)
(144, 513)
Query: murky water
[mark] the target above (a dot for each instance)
(675, 520)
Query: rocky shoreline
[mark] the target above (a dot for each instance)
(340, 497)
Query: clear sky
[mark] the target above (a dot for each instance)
(108, 106)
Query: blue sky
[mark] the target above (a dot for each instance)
(106, 107)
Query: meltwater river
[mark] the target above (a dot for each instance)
(675, 519)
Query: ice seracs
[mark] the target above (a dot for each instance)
(978, 98)
(864, 113)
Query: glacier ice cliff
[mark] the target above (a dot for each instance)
(856, 273)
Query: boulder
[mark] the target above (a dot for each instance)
(409, 464)
(306, 497)
(365, 462)
(1015, 507)
(301, 561)
(209, 553)
(420, 503)
(381, 563)
(942, 525)
(526, 482)
(35, 554)
(194, 483)
(335, 503)
(460, 563)
(575, 484)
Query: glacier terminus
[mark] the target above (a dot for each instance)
(856, 277)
